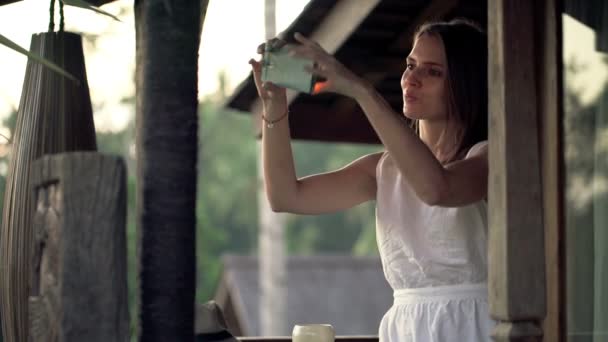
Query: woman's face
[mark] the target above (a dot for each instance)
(424, 81)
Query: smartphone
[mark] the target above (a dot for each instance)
(286, 71)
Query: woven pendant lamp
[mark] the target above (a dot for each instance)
(55, 115)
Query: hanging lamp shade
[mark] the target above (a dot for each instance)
(55, 115)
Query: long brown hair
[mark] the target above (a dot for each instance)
(466, 51)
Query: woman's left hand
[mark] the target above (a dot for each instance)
(338, 78)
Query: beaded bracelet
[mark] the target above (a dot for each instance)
(270, 123)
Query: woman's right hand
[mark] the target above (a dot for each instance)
(274, 98)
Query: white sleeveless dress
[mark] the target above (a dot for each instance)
(435, 259)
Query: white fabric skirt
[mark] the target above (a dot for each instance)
(438, 314)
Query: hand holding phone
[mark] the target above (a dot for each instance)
(284, 70)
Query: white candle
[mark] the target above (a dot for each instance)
(313, 333)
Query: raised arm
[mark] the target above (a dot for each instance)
(456, 184)
(316, 194)
(460, 183)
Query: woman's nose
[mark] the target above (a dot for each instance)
(409, 78)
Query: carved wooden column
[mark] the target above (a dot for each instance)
(79, 276)
(516, 237)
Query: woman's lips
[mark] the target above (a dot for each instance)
(409, 99)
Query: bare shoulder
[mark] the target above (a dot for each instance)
(478, 150)
(467, 179)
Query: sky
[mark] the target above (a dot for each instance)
(579, 49)
(231, 33)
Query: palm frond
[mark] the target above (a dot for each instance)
(14, 46)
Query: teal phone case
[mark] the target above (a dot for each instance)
(287, 71)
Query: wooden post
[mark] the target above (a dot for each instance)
(516, 237)
(272, 275)
(550, 92)
(78, 287)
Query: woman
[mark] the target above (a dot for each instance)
(430, 185)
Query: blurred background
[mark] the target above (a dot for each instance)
(228, 185)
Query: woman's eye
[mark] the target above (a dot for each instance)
(434, 72)
(409, 66)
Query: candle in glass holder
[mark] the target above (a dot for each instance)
(313, 333)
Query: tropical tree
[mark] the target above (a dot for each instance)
(167, 45)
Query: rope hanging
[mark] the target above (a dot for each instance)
(52, 16)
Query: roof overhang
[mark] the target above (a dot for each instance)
(371, 38)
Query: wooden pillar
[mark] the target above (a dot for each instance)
(79, 274)
(550, 107)
(516, 236)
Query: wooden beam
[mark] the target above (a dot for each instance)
(341, 22)
(516, 236)
(436, 10)
(549, 66)
(325, 124)
(332, 33)
(322, 123)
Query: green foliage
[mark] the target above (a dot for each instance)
(227, 206)
(10, 123)
(330, 233)
(227, 197)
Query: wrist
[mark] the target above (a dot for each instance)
(273, 112)
(361, 88)
(270, 121)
